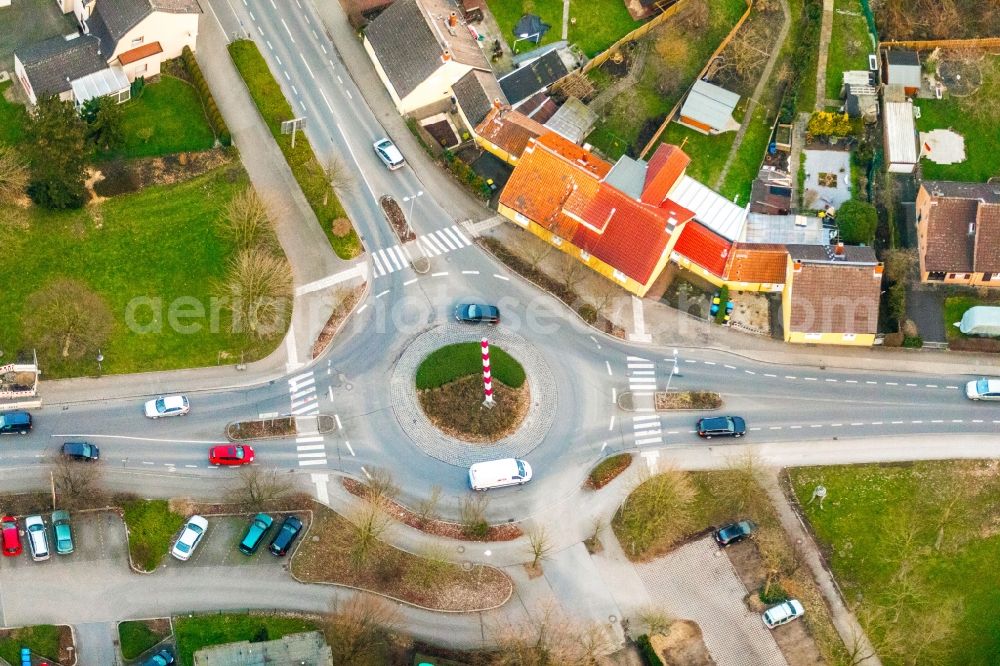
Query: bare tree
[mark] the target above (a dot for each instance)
(654, 620)
(427, 508)
(247, 222)
(13, 174)
(535, 251)
(473, 515)
(539, 544)
(261, 288)
(341, 178)
(254, 487)
(744, 55)
(78, 484)
(571, 271)
(66, 319)
(899, 264)
(370, 523)
(380, 487)
(549, 639)
(358, 630)
(742, 486)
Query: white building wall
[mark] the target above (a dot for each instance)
(382, 75)
(22, 76)
(172, 31)
(436, 87)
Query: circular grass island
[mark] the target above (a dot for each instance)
(449, 384)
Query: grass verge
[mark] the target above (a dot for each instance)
(914, 546)
(309, 173)
(608, 470)
(328, 556)
(452, 362)
(171, 111)
(151, 526)
(746, 164)
(137, 636)
(198, 631)
(42, 639)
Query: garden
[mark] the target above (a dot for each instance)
(850, 45)
(913, 547)
(594, 24)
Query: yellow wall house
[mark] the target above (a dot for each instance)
(958, 233)
(831, 295)
(564, 195)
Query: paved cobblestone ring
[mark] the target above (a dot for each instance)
(433, 442)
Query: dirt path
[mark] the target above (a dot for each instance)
(825, 31)
(765, 76)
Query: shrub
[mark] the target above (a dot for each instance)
(913, 341)
(646, 651)
(608, 469)
(588, 313)
(208, 101)
(897, 303)
(720, 316)
(857, 221)
(893, 340)
(775, 595)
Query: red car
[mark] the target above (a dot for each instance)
(11, 537)
(230, 454)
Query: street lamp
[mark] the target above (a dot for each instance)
(673, 371)
(100, 359)
(409, 215)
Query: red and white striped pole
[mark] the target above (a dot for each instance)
(487, 376)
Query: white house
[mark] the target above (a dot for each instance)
(119, 40)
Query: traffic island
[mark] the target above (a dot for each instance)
(337, 552)
(45, 642)
(666, 401)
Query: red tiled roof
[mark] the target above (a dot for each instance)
(835, 298)
(140, 52)
(757, 263)
(987, 257)
(704, 247)
(510, 130)
(557, 185)
(665, 167)
(949, 247)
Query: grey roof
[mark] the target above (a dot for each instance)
(711, 105)
(475, 93)
(802, 229)
(573, 120)
(177, 6)
(825, 254)
(307, 649)
(627, 175)
(902, 57)
(51, 65)
(528, 79)
(404, 45)
(904, 68)
(987, 192)
(112, 19)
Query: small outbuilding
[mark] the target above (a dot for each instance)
(980, 320)
(902, 68)
(709, 109)
(900, 137)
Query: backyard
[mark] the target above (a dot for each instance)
(913, 547)
(27, 22)
(598, 23)
(171, 113)
(849, 45)
(975, 117)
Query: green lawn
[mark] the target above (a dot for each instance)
(172, 109)
(12, 118)
(194, 633)
(140, 252)
(916, 546)
(42, 639)
(465, 358)
(136, 637)
(982, 148)
(708, 153)
(849, 45)
(743, 171)
(508, 12)
(273, 106)
(151, 527)
(955, 307)
(599, 24)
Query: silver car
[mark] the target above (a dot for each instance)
(389, 154)
(38, 541)
(194, 530)
(168, 405)
(775, 616)
(983, 389)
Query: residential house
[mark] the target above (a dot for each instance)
(757, 267)
(899, 135)
(476, 94)
(506, 133)
(831, 295)
(709, 109)
(902, 68)
(421, 50)
(958, 232)
(535, 76)
(119, 40)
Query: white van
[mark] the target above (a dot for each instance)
(499, 473)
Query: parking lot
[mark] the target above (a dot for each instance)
(97, 536)
(220, 545)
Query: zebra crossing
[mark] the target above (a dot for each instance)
(647, 429)
(434, 244)
(641, 376)
(310, 445)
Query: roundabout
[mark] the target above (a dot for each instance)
(461, 449)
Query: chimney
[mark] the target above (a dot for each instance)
(446, 56)
(797, 266)
(496, 103)
(838, 251)
(452, 19)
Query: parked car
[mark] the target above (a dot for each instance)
(81, 451)
(474, 313)
(287, 533)
(162, 658)
(11, 536)
(389, 154)
(734, 532)
(64, 535)
(259, 526)
(15, 423)
(37, 540)
(983, 389)
(230, 454)
(775, 616)
(168, 405)
(194, 530)
(722, 426)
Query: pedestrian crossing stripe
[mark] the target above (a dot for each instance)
(436, 243)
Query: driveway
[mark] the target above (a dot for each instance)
(698, 582)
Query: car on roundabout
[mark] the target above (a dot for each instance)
(167, 405)
(230, 454)
(476, 313)
(191, 535)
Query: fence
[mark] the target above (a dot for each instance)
(870, 19)
(641, 31)
(715, 54)
(924, 44)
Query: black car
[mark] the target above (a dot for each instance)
(722, 426)
(81, 451)
(15, 423)
(286, 535)
(162, 658)
(473, 313)
(734, 532)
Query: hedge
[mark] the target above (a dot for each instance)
(646, 651)
(208, 101)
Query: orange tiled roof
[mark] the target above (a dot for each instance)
(510, 130)
(665, 167)
(757, 263)
(140, 52)
(557, 185)
(704, 247)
